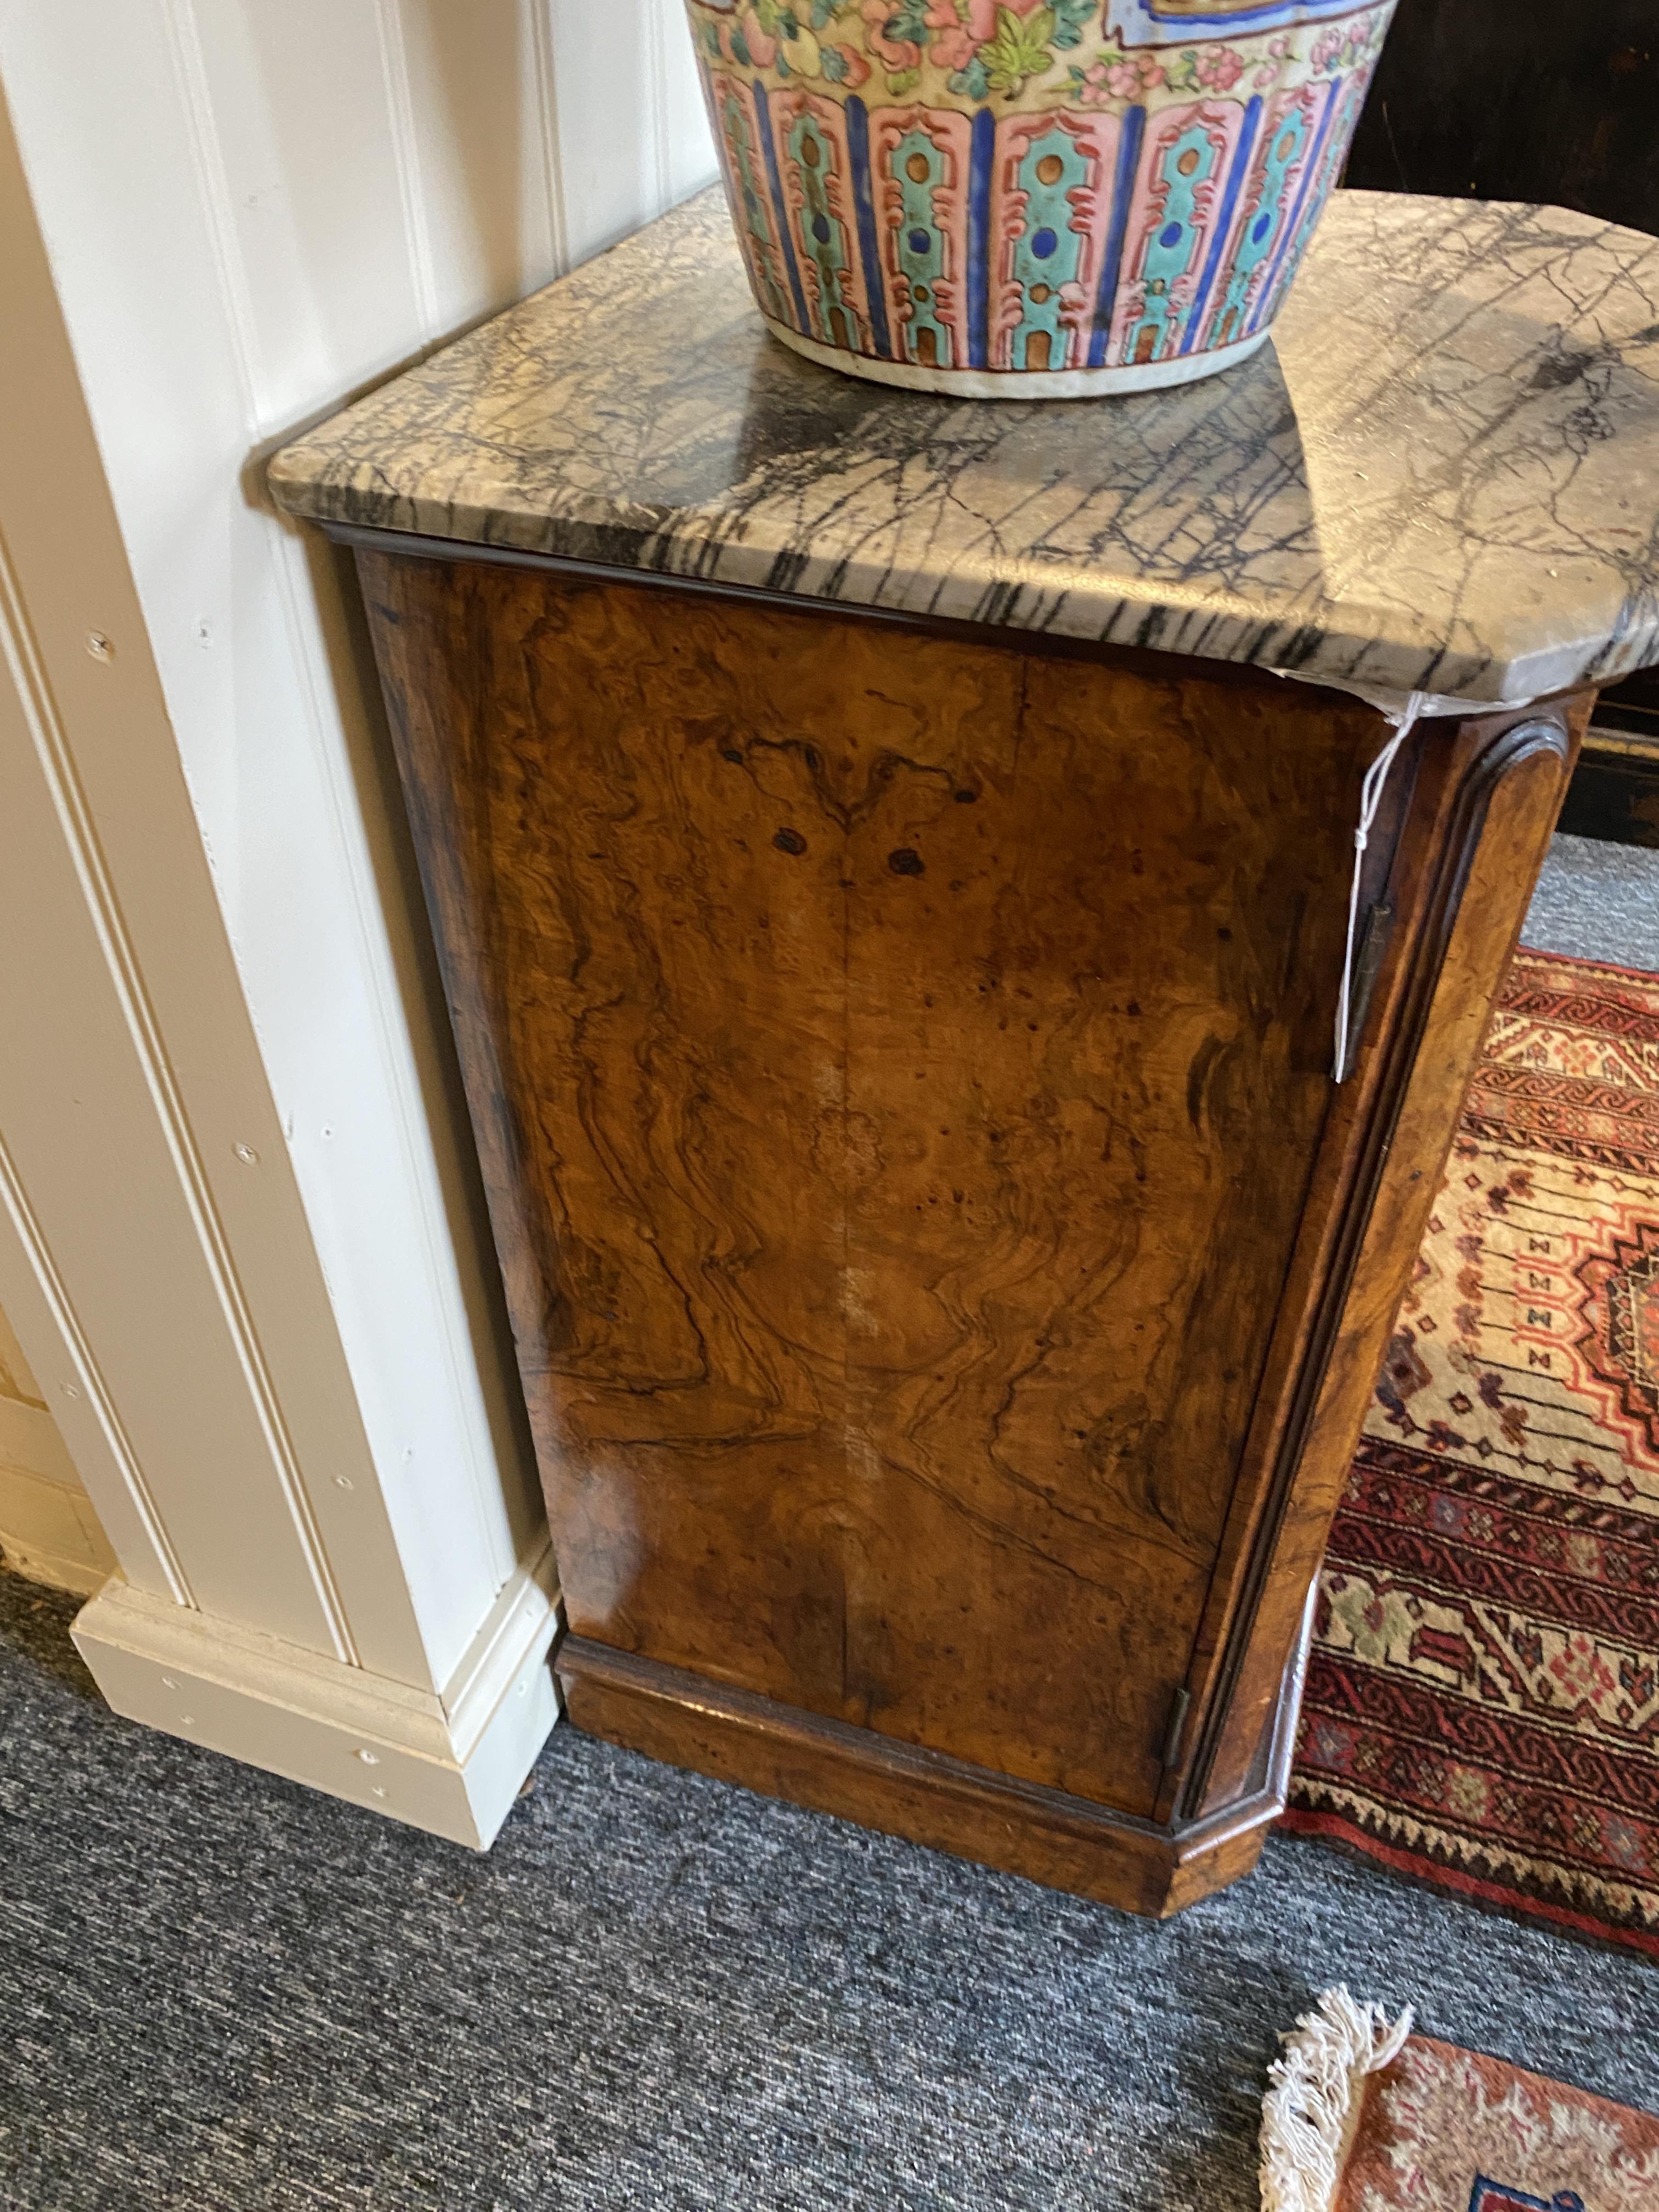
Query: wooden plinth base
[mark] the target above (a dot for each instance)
(1063, 1842)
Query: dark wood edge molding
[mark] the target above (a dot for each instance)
(861, 1774)
(1146, 659)
(1517, 740)
(579, 1658)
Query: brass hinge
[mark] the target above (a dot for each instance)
(1175, 1733)
(1368, 965)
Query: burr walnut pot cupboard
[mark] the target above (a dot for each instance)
(937, 1254)
(945, 1278)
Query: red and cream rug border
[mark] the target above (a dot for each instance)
(1500, 1896)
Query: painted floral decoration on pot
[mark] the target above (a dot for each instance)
(1030, 199)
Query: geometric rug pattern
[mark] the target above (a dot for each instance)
(1482, 1708)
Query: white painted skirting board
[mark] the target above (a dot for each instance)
(451, 1765)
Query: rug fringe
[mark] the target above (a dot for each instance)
(1312, 2106)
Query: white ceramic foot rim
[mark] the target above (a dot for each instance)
(1025, 384)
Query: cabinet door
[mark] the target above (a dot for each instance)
(897, 1063)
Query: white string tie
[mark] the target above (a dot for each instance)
(1405, 719)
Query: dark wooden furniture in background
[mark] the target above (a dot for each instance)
(1518, 100)
(946, 1281)
(1614, 793)
(1527, 100)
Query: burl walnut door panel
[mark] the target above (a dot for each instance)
(898, 1064)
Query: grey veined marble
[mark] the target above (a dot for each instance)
(1444, 474)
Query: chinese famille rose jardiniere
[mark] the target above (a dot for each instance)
(1029, 199)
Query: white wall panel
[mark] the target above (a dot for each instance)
(480, 149)
(287, 111)
(688, 149)
(155, 1255)
(265, 736)
(633, 137)
(254, 209)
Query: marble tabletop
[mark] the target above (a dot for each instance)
(1442, 475)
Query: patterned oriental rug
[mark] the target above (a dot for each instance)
(1483, 1699)
(1363, 2115)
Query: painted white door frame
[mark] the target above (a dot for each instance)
(156, 1255)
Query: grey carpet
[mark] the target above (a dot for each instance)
(218, 1990)
(1597, 902)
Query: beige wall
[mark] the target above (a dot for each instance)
(48, 1530)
